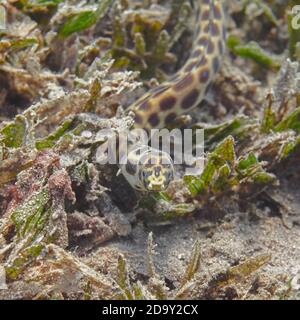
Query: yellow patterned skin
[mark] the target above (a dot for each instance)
(159, 107)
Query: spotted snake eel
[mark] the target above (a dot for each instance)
(149, 169)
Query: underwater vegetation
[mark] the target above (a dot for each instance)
(68, 69)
